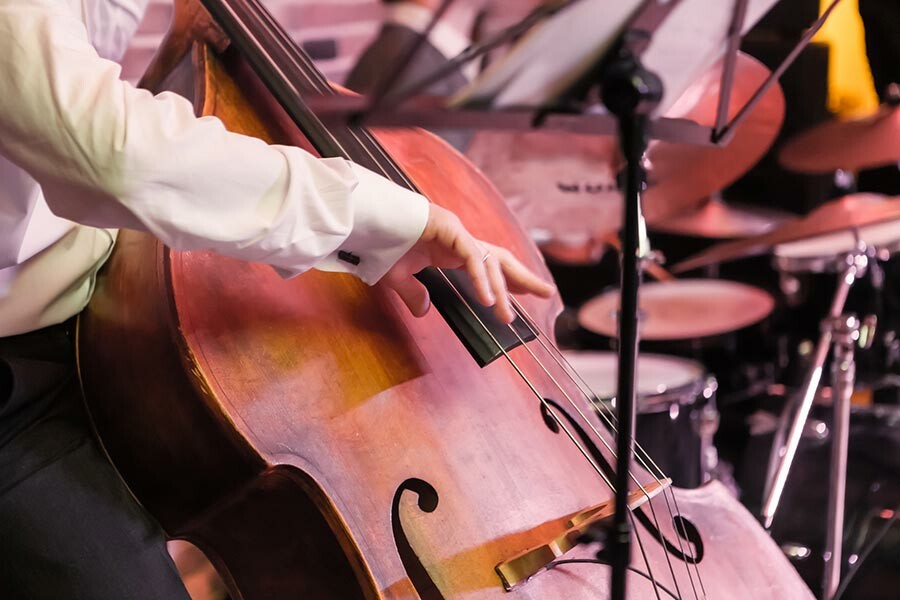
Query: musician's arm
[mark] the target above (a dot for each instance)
(110, 155)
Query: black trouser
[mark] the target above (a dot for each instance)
(69, 529)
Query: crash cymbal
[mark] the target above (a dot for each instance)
(564, 184)
(850, 145)
(719, 220)
(847, 213)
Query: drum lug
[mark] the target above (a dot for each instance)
(706, 424)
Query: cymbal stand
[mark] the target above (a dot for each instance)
(845, 330)
(842, 331)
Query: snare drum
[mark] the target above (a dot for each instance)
(676, 408)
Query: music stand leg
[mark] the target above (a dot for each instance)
(629, 92)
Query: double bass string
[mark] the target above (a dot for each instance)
(549, 407)
(539, 335)
(610, 418)
(559, 422)
(605, 413)
(385, 163)
(319, 83)
(550, 410)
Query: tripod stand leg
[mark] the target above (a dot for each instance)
(784, 455)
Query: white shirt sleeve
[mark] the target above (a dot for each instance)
(110, 155)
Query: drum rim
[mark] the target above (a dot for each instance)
(827, 264)
(831, 263)
(704, 384)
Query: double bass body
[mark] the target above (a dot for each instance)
(319, 442)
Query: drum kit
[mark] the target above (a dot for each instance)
(830, 275)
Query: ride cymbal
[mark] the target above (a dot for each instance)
(847, 213)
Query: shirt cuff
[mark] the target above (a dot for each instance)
(387, 220)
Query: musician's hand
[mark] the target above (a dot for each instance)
(446, 243)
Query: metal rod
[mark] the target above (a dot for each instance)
(785, 455)
(428, 112)
(633, 146)
(724, 136)
(538, 14)
(379, 94)
(631, 93)
(734, 44)
(843, 373)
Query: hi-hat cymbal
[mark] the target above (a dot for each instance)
(847, 213)
(719, 220)
(565, 184)
(851, 145)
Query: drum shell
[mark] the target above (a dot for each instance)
(674, 426)
(675, 438)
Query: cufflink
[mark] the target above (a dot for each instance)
(348, 257)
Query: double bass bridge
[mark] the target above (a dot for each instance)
(525, 565)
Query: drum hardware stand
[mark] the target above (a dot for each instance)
(843, 331)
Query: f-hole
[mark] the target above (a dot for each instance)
(427, 501)
(684, 528)
(586, 440)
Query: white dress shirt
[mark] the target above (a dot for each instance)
(86, 152)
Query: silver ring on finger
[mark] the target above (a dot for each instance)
(486, 256)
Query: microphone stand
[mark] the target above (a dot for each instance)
(630, 92)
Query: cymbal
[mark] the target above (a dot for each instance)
(683, 309)
(717, 219)
(850, 212)
(564, 184)
(852, 145)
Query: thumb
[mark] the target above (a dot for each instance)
(413, 294)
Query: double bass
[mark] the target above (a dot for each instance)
(317, 441)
